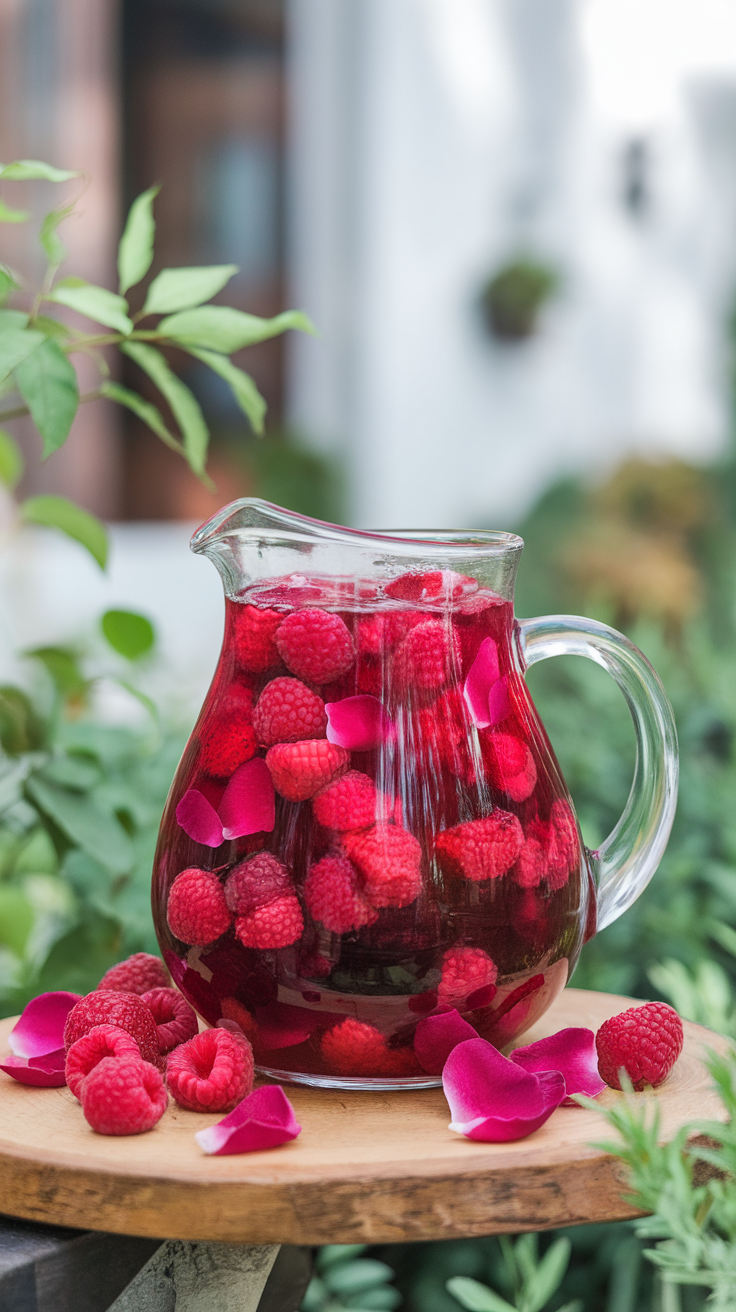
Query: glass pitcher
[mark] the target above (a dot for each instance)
(368, 826)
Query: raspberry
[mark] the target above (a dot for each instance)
(100, 1042)
(389, 859)
(299, 770)
(551, 849)
(379, 634)
(442, 735)
(646, 1041)
(109, 1007)
(353, 1048)
(425, 660)
(287, 711)
(197, 911)
(175, 1020)
(137, 974)
(347, 803)
(255, 882)
(255, 637)
(123, 1096)
(315, 966)
(510, 765)
(210, 1073)
(275, 925)
(480, 849)
(315, 645)
(464, 970)
(333, 896)
(235, 1013)
(438, 584)
(227, 738)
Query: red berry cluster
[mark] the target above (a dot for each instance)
(123, 1049)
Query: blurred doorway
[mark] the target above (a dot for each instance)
(203, 114)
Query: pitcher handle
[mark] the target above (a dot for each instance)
(626, 861)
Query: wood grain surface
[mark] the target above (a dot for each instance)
(367, 1167)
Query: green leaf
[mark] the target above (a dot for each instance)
(8, 283)
(63, 668)
(71, 772)
(244, 389)
(37, 856)
(547, 1278)
(184, 405)
(350, 1277)
(145, 410)
(8, 215)
(11, 461)
(95, 302)
(50, 239)
(78, 960)
(98, 833)
(21, 730)
(127, 633)
(16, 341)
(180, 289)
(30, 170)
(57, 512)
(475, 1296)
(383, 1298)
(16, 919)
(220, 328)
(135, 252)
(47, 381)
(329, 1254)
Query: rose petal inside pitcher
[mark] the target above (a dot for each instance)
(369, 827)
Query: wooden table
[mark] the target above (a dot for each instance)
(379, 1167)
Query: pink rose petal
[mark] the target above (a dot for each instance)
(263, 1120)
(248, 804)
(493, 1099)
(40, 1028)
(436, 1036)
(498, 702)
(281, 1025)
(482, 675)
(45, 1072)
(358, 723)
(199, 819)
(572, 1052)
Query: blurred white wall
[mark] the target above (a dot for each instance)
(431, 140)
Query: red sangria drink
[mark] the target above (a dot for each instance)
(368, 827)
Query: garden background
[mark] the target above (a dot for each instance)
(516, 242)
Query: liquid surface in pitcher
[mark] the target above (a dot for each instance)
(432, 863)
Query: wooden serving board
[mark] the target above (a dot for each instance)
(377, 1167)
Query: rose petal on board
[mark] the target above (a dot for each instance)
(199, 819)
(436, 1036)
(358, 723)
(45, 1071)
(498, 702)
(570, 1051)
(40, 1027)
(482, 675)
(493, 1099)
(248, 804)
(263, 1120)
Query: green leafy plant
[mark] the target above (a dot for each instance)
(693, 1219)
(345, 1279)
(37, 374)
(80, 805)
(529, 1281)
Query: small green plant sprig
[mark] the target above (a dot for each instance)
(694, 1224)
(39, 379)
(345, 1279)
(529, 1281)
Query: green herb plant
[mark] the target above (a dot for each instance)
(345, 1279)
(37, 348)
(529, 1282)
(689, 1189)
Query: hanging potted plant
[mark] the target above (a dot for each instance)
(513, 297)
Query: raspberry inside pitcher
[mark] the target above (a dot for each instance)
(368, 828)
